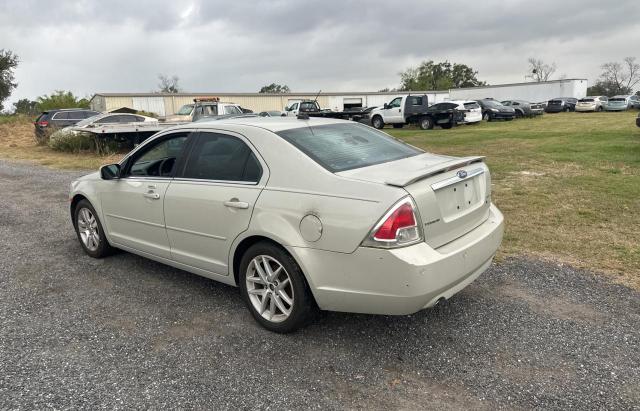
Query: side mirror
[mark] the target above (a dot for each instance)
(287, 108)
(386, 106)
(110, 172)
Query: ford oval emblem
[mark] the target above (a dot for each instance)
(462, 174)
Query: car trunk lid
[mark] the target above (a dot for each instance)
(452, 194)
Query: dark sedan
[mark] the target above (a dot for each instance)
(494, 110)
(524, 108)
(52, 120)
(561, 104)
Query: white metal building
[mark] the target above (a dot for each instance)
(166, 104)
(532, 91)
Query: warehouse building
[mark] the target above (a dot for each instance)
(165, 104)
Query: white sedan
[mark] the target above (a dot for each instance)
(301, 214)
(472, 110)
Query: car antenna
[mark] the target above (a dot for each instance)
(317, 95)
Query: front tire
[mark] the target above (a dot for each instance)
(274, 288)
(89, 231)
(377, 122)
(486, 116)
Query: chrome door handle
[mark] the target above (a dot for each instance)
(234, 203)
(153, 196)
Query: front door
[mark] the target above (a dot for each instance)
(210, 203)
(133, 205)
(393, 113)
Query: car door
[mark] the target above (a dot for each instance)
(132, 205)
(393, 112)
(210, 203)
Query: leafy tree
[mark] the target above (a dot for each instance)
(61, 99)
(439, 76)
(622, 77)
(26, 106)
(275, 89)
(539, 70)
(606, 88)
(8, 62)
(168, 84)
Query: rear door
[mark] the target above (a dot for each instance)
(210, 203)
(133, 205)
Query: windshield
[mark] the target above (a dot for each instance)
(88, 121)
(185, 110)
(618, 99)
(586, 100)
(340, 147)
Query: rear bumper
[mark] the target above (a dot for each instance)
(617, 108)
(586, 108)
(401, 281)
(554, 109)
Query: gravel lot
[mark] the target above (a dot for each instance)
(126, 332)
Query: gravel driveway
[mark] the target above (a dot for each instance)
(125, 332)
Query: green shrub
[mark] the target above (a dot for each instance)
(72, 142)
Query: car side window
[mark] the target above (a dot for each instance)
(61, 115)
(222, 157)
(158, 158)
(232, 110)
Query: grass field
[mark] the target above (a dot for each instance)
(568, 184)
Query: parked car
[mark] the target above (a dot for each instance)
(635, 101)
(620, 103)
(638, 120)
(446, 115)
(204, 107)
(298, 213)
(494, 110)
(52, 120)
(560, 104)
(113, 118)
(523, 108)
(591, 103)
(271, 113)
(471, 109)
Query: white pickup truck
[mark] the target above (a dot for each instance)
(204, 107)
(411, 109)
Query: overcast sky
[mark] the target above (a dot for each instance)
(239, 46)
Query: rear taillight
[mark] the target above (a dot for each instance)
(399, 227)
(43, 123)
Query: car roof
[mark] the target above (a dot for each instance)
(55, 110)
(273, 124)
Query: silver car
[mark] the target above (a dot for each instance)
(301, 214)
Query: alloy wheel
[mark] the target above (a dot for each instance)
(269, 288)
(88, 229)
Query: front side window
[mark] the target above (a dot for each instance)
(185, 110)
(61, 115)
(158, 158)
(232, 110)
(222, 157)
(395, 102)
(341, 147)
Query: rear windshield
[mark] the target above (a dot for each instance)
(617, 99)
(586, 100)
(340, 147)
(470, 106)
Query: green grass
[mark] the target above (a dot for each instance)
(568, 184)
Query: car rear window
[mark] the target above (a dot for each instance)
(586, 100)
(341, 147)
(617, 99)
(471, 106)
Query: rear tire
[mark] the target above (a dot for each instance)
(426, 123)
(289, 303)
(377, 122)
(89, 231)
(519, 114)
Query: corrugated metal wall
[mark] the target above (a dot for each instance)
(533, 92)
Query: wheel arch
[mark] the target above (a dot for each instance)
(245, 243)
(74, 203)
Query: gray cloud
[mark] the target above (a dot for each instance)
(89, 46)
